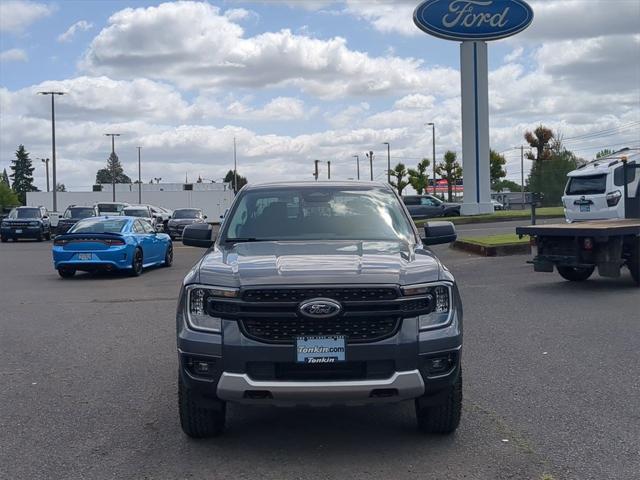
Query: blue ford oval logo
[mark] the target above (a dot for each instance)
(320, 308)
(472, 19)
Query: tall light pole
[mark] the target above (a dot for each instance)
(235, 168)
(316, 172)
(139, 177)
(433, 126)
(388, 162)
(53, 144)
(370, 157)
(46, 162)
(357, 157)
(113, 164)
(328, 169)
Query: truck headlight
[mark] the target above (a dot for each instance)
(196, 306)
(440, 316)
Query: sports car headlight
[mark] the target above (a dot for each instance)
(440, 315)
(196, 306)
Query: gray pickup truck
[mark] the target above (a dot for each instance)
(319, 294)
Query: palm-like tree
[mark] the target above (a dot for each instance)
(451, 170)
(398, 173)
(418, 177)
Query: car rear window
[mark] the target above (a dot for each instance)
(588, 185)
(136, 212)
(99, 225)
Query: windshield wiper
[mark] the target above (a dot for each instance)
(249, 239)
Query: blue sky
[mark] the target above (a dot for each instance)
(183, 78)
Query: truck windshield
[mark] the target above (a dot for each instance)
(79, 212)
(110, 208)
(25, 213)
(317, 213)
(99, 225)
(588, 185)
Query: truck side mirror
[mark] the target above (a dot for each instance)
(437, 233)
(198, 235)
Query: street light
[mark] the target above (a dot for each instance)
(113, 163)
(370, 157)
(388, 162)
(433, 126)
(53, 144)
(357, 157)
(139, 177)
(46, 162)
(328, 169)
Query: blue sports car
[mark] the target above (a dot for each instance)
(111, 243)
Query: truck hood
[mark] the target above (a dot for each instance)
(311, 262)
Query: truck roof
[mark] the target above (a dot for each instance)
(605, 164)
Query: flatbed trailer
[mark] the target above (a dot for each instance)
(577, 249)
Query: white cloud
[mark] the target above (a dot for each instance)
(82, 25)
(200, 48)
(13, 55)
(16, 15)
(386, 16)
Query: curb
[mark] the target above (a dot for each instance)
(492, 251)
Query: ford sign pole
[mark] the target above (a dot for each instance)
(473, 22)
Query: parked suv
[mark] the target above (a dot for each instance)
(428, 206)
(319, 294)
(73, 215)
(183, 217)
(26, 222)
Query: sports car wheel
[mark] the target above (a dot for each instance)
(66, 272)
(136, 263)
(168, 257)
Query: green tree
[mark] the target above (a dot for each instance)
(496, 169)
(22, 175)
(539, 140)
(604, 153)
(8, 197)
(418, 177)
(509, 185)
(242, 181)
(4, 178)
(60, 187)
(399, 172)
(450, 170)
(114, 167)
(551, 179)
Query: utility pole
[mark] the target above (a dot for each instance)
(235, 168)
(328, 169)
(46, 162)
(522, 174)
(388, 162)
(316, 171)
(113, 166)
(139, 177)
(53, 145)
(433, 126)
(357, 157)
(370, 157)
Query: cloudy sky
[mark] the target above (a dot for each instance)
(295, 81)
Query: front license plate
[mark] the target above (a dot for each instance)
(325, 349)
(18, 230)
(585, 208)
(85, 256)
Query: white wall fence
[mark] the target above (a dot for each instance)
(212, 202)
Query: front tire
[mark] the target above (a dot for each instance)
(137, 263)
(575, 274)
(47, 236)
(3, 239)
(197, 418)
(445, 417)
(168, 256)
(66, 272)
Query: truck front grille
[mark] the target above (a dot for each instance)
(300, 294)
(356, 329)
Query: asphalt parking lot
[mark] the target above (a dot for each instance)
(88, 371)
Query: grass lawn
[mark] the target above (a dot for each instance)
(497, 240)
(504, 216)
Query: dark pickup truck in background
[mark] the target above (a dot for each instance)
(319, 294)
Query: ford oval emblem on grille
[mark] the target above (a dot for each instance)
(320, 308)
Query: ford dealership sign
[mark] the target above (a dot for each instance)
(473, 19)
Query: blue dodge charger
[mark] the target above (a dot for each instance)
(111, 243)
